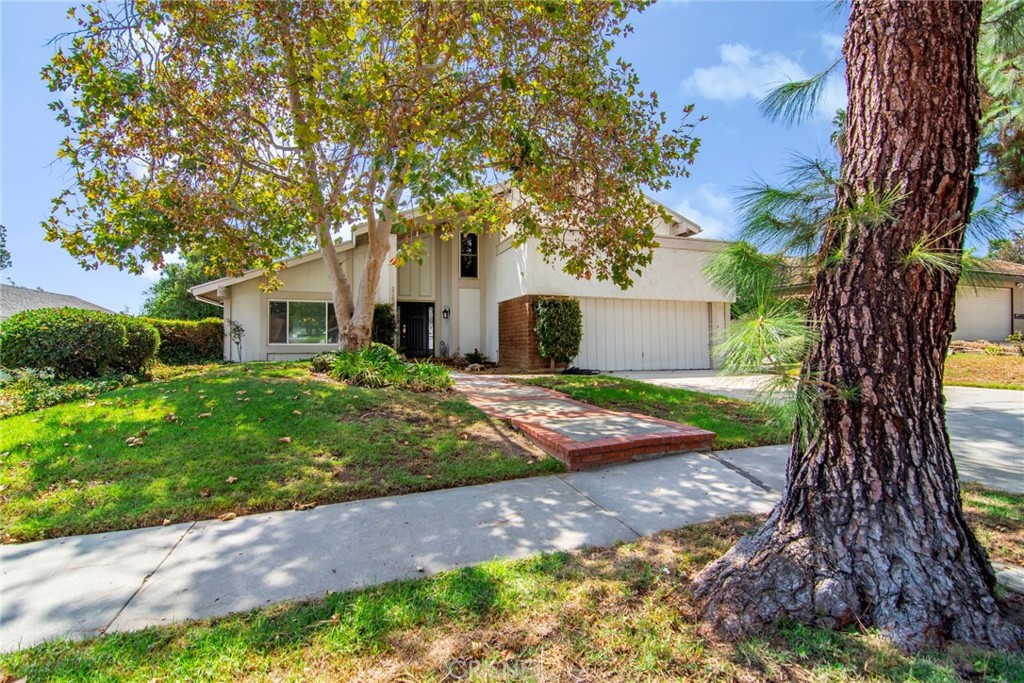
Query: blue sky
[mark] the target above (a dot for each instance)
(720, 56)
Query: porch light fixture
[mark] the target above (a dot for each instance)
(446, 312)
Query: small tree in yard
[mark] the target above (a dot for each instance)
(870, 528)
(169, 297)
(249, 131)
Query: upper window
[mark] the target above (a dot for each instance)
(469, 255)
(303, 322)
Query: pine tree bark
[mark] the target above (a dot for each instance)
(870, 528)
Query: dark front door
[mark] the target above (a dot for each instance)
(416, 329)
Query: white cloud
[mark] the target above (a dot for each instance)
(150, 275)
(743, 72)
(709, 208)
(746, 72)
(831, 44)
(833, 97)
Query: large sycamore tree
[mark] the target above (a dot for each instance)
(870, 529)
(245, 132)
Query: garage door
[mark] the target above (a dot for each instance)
(983, 313)
(625, 334)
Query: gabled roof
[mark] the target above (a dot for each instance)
(16, 299)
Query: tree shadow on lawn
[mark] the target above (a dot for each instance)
(234, 442)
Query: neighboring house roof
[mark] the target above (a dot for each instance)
(800, 272)
(16, 299)
(998, 267)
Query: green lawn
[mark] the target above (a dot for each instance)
(242, 439)
(738, 424)
(621, 613)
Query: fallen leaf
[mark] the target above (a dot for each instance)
(296, 412)
(227, 516)
(202, 415)
(66, 444)
(285, 439)
(261, 419)
(241, 392)
(303, 506)
(231, 480)
(165, 522)
(170, 417)
(308, 392)
(143, 433)
(204, 493)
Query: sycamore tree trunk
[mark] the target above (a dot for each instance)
(870, 528)
(356, 330)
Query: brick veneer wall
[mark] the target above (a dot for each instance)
(517, 335)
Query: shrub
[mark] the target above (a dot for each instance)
(385, 324)
(31, 390)
(321, 363)
(1017, 339)
(379, 365)
(141, 343)
(559, 326)
(475, 357)
(993, 350)
(427, 376)
(189, 341)
(74, 342)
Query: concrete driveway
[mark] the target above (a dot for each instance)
(986, 426)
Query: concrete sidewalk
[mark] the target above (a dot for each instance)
(86, 585)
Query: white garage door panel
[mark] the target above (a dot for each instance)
(983, 313)
(625, 334)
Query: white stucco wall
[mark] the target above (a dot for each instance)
(248, 305)
(675, 274)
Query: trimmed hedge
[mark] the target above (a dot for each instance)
(559, 327)
(75, 342)
(189, 341)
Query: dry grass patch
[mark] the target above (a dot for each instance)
(998, 519)
(980, 370)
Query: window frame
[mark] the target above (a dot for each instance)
(475, 255)
(287, 316)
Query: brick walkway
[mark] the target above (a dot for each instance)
(580, 435)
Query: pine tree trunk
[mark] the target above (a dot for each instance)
(870, 527)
